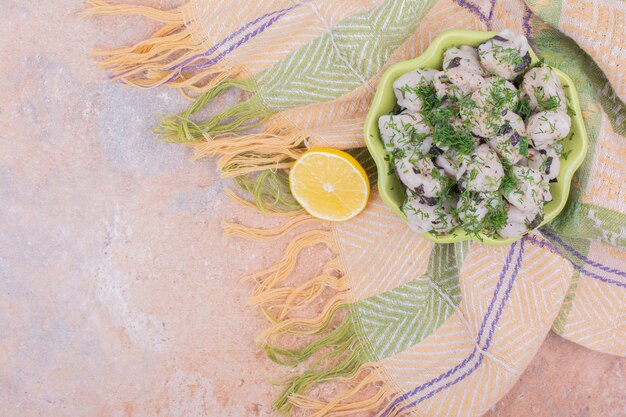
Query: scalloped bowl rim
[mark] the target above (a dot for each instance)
(434, 51)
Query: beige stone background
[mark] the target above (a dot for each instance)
(119, 296)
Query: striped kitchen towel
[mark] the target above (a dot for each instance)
(392, 324)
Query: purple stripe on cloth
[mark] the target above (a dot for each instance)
(496, 291)
(243, 40)
(181, 66)
(231, 36)
(581, 256)
(471, 356)
(476, 10)
(554, 249)
(526, 24)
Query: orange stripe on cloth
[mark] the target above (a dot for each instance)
(379, 251)
(606, 186)
(597, 319)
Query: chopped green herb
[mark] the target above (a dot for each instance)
(565, 154)
(509, 182)
(523, 145)
(546, 104)
(522, 108)
(571, 111)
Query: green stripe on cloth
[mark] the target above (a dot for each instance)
(580, 220)
(593, 222)
(329, 66)
(342, 59)
(400, 318)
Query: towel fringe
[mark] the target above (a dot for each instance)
(290, 299)
(333, 351)
(173, 56)
(278, 146)
(239, 230)
(370, 384)
(307, 326)
(99, 7)
(270, 277)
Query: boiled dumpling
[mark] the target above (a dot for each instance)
(444, 89)
(520, 222)
(530, 189)
(547, 161)
(421, 176)
(544, 91)
(463, 68)
(473, 208)
(425, 217)
(506, 54)
(484, 171)
(400, 130)
(405, 88)
(453, 163)
(488, 106)
(546, 127)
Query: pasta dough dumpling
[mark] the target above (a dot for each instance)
(401, 130)
(487, 106)
(463, 69)
(543, 89)
(406, 88)
(423, 217)
(547, 161)
(520, 222)
(472, 209)
(484, 171)
(530, 189)
(546, 127)
(510, 142)
(506, 54)
(421, 176)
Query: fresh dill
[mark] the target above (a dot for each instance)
(445, 135)
(551, 103)
(522, 108)
(523, 145)
(565, 154)
(509, 182)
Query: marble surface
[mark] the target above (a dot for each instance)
(119, 296)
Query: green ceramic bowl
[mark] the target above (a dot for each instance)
(391, 189)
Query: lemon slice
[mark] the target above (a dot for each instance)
(329, 184)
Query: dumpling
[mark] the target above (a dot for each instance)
(488, 105)
(421, 176)
(546, 127)
(405, 88)
(401, 130)
(520, 222)
(425, 217)
(530, 189)
(453, 163)
(547, 161)
(444, 89)
(473, 208)
(463, 68)
(484, 171)
(506, 54)
(510, 141)
(544, 91)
